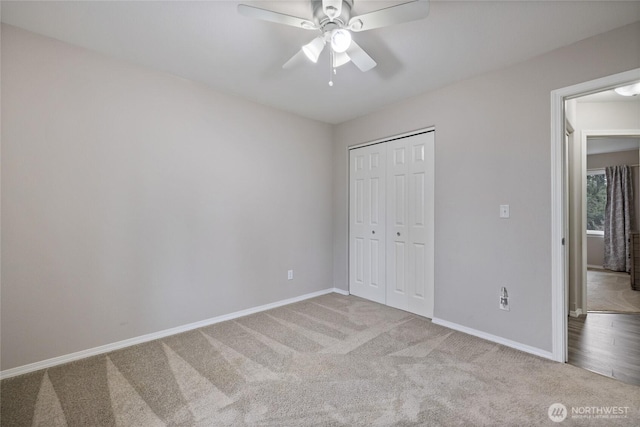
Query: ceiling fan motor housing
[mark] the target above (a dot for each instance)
(321, 18)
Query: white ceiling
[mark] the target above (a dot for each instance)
(209, 42)
(608, 96)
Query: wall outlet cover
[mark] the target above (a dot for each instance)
(504, 299)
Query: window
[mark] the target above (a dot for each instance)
(596, 201)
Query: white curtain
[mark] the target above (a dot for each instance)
(618, 218)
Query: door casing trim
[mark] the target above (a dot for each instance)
(559, 309)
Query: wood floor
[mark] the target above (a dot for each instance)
(608, 344)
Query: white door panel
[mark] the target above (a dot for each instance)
(421, 229)
(366, 224)
(397, 224)
(409, 228)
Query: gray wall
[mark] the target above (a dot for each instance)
(595, 244)
(134, 201)
(607, 115)
(492, 147)
(595, 251)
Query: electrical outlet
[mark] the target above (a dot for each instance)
(504, 299)
(290, 275)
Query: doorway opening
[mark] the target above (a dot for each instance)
(578, 179)
(608, 288)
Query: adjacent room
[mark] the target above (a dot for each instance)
(318, 212)
(604, 182)
(610, 285)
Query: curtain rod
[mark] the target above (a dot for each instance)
(601, 169)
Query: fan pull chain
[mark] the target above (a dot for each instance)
(332, 70)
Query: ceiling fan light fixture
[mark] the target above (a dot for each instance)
(340, 40)
(630, 90)
(313, 49)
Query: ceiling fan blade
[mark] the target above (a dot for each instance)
(295, 60)
(398, 14)
(340, 58)
(360, 58)
(278, 18)
(332, 8)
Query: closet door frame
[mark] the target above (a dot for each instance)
(430, 249)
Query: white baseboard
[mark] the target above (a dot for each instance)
(576, 313)
(494, 338)
(48, 363)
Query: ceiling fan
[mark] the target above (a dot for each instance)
(334, 20)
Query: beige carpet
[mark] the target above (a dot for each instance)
(330, 361)
(611, 291)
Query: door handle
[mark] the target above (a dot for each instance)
(398, 234)
(373, 231)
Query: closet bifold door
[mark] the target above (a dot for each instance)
(367, 222)
(410, 206)
(391, 223)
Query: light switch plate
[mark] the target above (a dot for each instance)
(504, 211)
